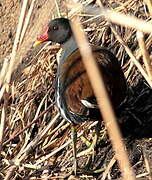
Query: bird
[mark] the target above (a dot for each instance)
(74, 94)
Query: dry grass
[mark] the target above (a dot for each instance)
(33, 138)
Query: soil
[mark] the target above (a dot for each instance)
(9, 13)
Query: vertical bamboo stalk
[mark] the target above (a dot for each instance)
(105, 108)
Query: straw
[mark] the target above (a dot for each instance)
(134, 60)
(146, 58)
(27, 21)
(127, 20)
(23, 154)
(2, 127)
(149, 5)
(16, 41)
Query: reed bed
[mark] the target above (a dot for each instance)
(35, 142)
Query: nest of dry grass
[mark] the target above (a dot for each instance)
(35, 140)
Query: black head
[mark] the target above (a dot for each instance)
(57, 30)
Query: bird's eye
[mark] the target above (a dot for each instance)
(55, 27)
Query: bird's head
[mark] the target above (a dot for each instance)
(57, 30)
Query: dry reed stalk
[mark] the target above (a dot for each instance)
(54, 141)
(61, 147)
(37, 139)
(134, 60)
(27, 21)
(127, 20)
(40, 105)
(60, 127)
(28, 126)
(129, 70)
(76, 7)
(105, 108)
(58, 9)
(58, 149)
(124, 5)
(149, 5)
(3, 71)
(148, 44)
(146, 58)
(13, 61)
(139, 176)
(113, 16)
(2, 90)
(147, 165)
(9, 172)
(17, 164)
(2, 127)
(111, 163)
(24, 152)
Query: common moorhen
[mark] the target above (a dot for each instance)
(74, 95)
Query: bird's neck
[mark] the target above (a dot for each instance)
(68, 48)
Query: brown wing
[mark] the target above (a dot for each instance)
(77, 86)
(112, 73)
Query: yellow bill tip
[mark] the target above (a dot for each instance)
(36, 43)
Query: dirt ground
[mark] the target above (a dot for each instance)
(135, 115)
(9, 12)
